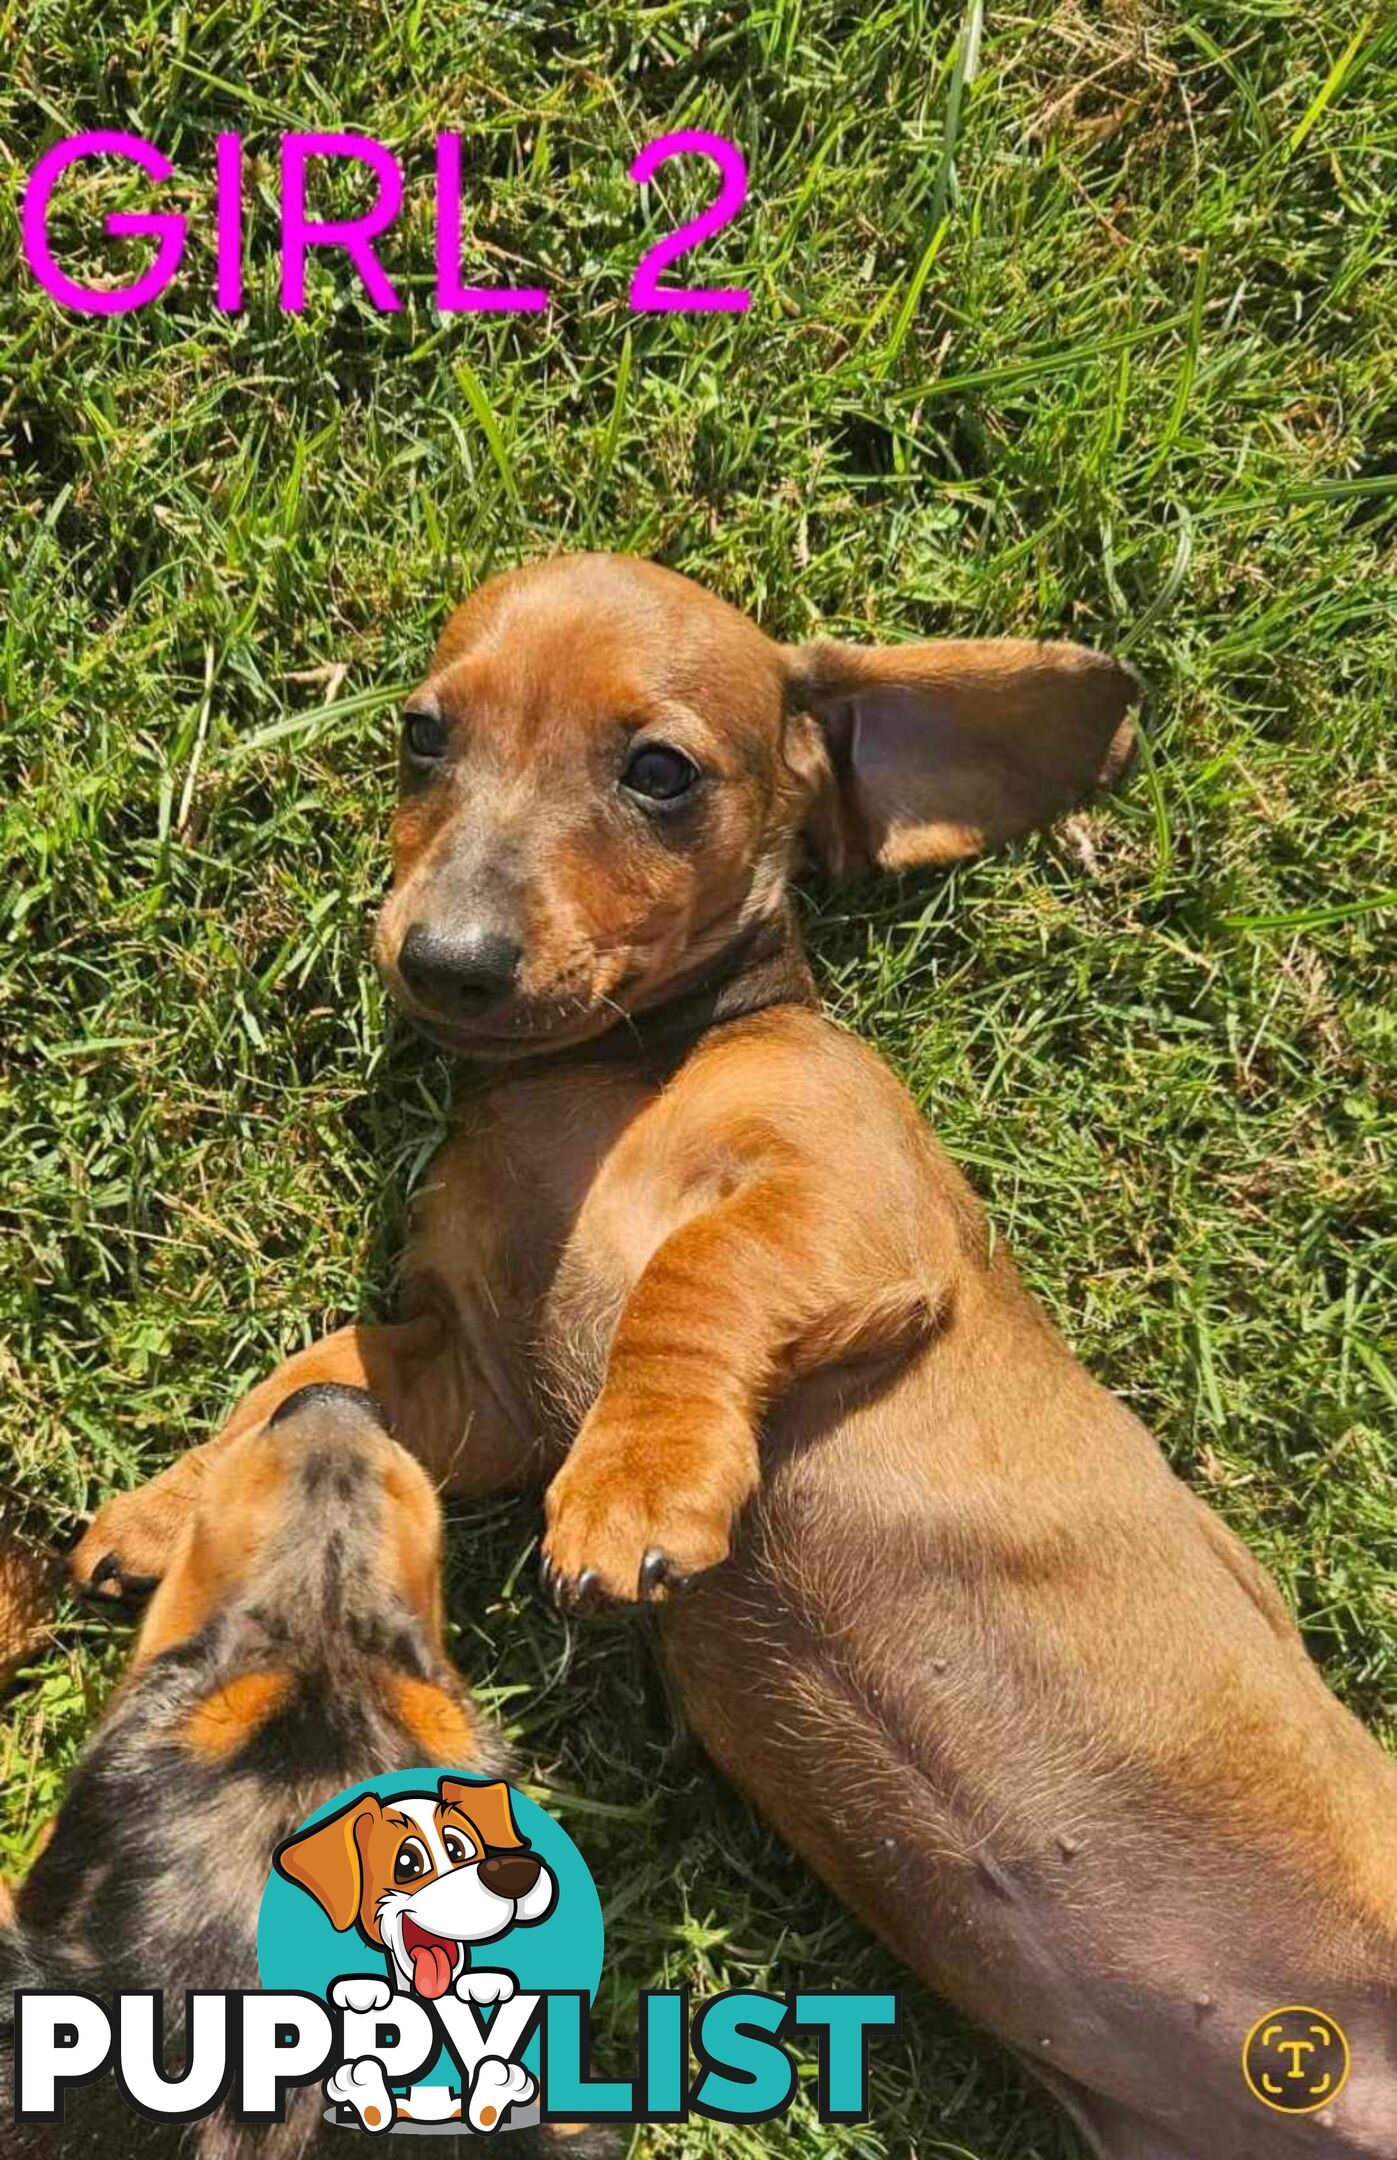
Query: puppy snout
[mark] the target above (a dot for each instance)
(459, 970)
(510, 1874)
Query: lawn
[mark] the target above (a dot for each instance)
(1087, 332)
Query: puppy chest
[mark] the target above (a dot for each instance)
(632, 1207)
(576, 1324)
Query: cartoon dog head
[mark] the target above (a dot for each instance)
(423, 1876)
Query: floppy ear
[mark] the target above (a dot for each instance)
(486, 1805)
(938, 751)
(326, 1860)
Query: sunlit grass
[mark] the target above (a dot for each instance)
(1116, 363)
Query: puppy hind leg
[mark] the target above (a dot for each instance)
(359, 2091)
(1111, 2131)
(1216, 2129)
(496, 2088)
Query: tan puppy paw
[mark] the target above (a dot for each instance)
(632, 1518)
(126, 1547)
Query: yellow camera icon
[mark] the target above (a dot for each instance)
(1296, 2060)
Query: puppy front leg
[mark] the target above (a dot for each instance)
(776, 1280)
(415, 1368)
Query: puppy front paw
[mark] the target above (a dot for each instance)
(486, 1987)
(498, 2087)
(362, 2088)
(631, 1519)
(123, 1552)
(363, 1992)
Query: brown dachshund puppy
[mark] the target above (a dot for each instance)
(293, 1648)
(952, 1623)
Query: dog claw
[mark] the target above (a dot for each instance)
(658, 1573)
(124, 1589)
(574, 1596)
(659, 1577)
(557, 1587)
(569, 1596)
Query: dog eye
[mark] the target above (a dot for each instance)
(411, 1861)
(424, 735)
(457, 1851)
(658, 774)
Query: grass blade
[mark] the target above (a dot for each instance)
(1333, 83)
(967, 60)
(489, 426)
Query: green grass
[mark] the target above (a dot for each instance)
(1094, 337)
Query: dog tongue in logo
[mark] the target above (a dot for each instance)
(432, 1960)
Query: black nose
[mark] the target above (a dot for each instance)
(510, 1874)
(458, 969)
(329, 1395)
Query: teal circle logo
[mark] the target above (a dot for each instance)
(436, 1889)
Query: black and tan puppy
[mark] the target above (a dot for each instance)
(294, 1648)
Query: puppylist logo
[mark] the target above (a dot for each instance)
(433, 1881)
(429, 1946)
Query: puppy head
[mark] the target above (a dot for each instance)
(608, 775)
(309, 1513)
(423, 1876)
